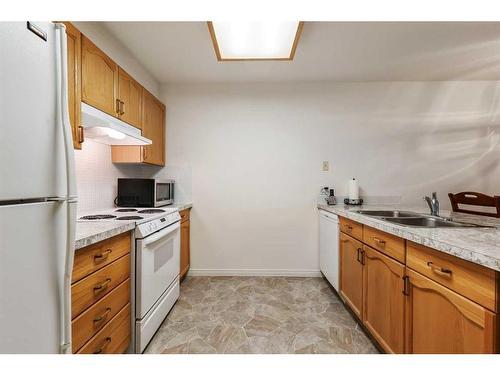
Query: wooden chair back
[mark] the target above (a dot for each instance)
(475, 199)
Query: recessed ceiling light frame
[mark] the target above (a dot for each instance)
(219, 56)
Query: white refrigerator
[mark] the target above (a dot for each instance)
(37, 190)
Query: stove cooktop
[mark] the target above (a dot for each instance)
(97, 217)
(139, 215)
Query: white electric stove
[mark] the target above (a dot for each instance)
(157, 264)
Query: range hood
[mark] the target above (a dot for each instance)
(103, 128)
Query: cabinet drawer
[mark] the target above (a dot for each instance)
(385, 243)
(351, 228)
(94, 287)
(98, 315)
(184, 215)
(113, 338)
(468, 279)
(95, 257)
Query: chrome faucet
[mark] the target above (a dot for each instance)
(433, 204)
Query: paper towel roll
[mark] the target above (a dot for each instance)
(353, 189)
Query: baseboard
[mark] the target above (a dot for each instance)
(256, 272)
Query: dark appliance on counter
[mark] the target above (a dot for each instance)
(144, 192)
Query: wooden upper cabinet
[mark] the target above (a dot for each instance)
(74, 40)
(383, 299)
(130, 99)
(439, 320)
(99, 79)
(153, 127)
(351, 273)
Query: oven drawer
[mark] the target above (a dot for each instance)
(98, 315)
(113, 338)
(158, 265)
(94, 287)
(95, 257)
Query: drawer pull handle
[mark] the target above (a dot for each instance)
(379, 241)
(102, 286)
(107, 340)
(439, 270)
(103, 316)
(102, 256)
(349, 227)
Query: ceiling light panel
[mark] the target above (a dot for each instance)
(255, 40)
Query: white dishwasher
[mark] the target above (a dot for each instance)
(329, 247)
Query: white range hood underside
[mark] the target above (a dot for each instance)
(103, 128)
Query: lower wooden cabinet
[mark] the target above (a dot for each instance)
(114, 337)
(351, 273)
(439, 320)
(418, 300)
(383, 299)
(100, 297)
(185, 245)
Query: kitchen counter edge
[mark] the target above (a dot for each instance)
(91, 233)
(447, 242)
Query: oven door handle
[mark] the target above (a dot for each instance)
(161, 234)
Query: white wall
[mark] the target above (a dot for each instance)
(103, 39)
(256, 152)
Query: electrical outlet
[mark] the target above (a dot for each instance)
(326, 166)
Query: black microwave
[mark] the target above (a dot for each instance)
(144, 192)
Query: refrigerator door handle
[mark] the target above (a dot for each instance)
(63, 120)
(68, 270)
(63, 112)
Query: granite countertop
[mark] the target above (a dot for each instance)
(181, 206)
(88, 233)
(477, 245)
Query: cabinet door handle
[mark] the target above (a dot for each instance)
(358, 256)
(439, 270)
(81, 137)
(363, 253)
(107, 340)
(379, 242)
(118, 106)
(102, 286)
(103, 255)
(103, 316)
(406, 285)
(122, 111)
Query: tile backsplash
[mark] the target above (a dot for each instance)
(97, 177)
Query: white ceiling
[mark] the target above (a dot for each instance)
(327, 51)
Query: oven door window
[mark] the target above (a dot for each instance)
(158, 265)
(163, 192)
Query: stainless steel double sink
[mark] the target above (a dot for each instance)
(414, 219)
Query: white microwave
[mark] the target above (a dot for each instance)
(144, 192)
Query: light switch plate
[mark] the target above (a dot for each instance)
(326, 166)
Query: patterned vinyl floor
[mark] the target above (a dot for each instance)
(259, 315)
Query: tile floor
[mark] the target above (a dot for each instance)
(259, 315)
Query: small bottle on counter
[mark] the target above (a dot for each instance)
(331, 199)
